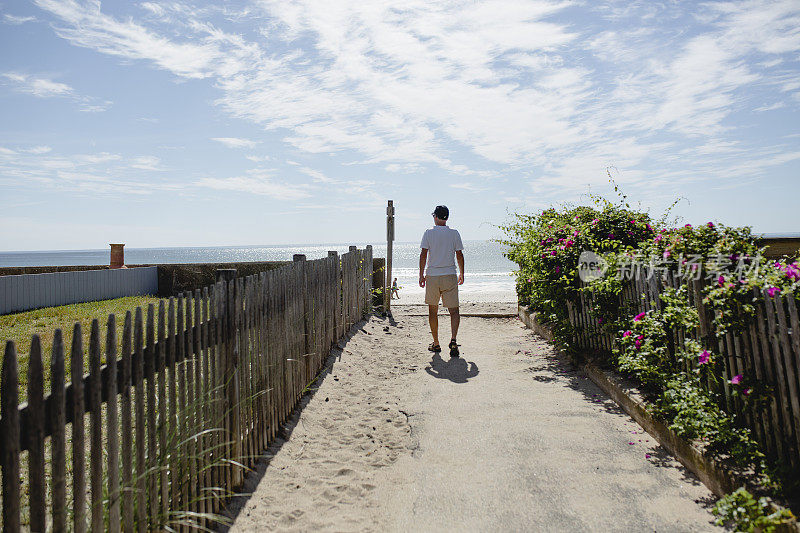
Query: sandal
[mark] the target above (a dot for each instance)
(453, 348)
(433, 347)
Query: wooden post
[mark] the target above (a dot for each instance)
(76, 407)
(9, 436)
(36, 472)
(335, 295)
(58, 441)
(96, 428)
(387, 291)
(226, 274)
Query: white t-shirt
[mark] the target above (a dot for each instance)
(442, 243)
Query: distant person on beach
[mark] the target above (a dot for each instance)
(395, 289)
(441, 246)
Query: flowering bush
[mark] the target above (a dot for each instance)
(641, 351)
(647, 346)
(547, 248)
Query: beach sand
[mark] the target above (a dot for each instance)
(507, 437)
(418, 297)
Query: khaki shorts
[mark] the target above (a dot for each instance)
(444, 287)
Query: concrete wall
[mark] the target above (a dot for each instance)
(33, 291)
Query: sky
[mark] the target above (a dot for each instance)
(273, 122)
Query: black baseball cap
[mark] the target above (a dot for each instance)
(441, 212)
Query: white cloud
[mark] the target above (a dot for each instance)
(235, 142)
(147, 162)
(47, 88)
(504, 85)
(770, 107)
(101, 173)
(38, 150)
(41, 87)
(89, 106)
(257, 182)
(15, 20)
(471, 187)
(89, 27)
(316, 175)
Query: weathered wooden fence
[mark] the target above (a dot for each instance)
(199, 389)
(768, 348)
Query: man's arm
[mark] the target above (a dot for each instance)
(460, 259)
(423, 257)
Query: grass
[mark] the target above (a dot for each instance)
(19, 327)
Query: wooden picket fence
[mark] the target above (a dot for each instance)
(768, 348)
(199, 390)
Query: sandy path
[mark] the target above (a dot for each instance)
(497, 440)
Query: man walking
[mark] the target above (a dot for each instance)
(440, 246)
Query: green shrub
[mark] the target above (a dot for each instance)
(743, 512)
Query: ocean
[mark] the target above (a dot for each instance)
(487, 269)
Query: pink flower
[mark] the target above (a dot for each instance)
(772, 291)
(721, 280)
(569, 243)
(553, 252)
(704, 357)
(610, 235)
(647, 456)
(638, 343)
(595, 221)
(688, 226)
(599, 320)
(627, 334)
(735, 380)
(747, 392)
(667, 253)
(558, 269)
(649, 227)
(711, 225)
(575, 233)
(658, 238)
(640, 316)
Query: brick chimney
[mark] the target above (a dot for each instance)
(117, 256)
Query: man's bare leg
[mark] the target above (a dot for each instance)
(433, 318)
(455, 320)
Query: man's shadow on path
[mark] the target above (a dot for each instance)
(456, 369)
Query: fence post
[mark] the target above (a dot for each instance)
(368, 280)
(9, 436)
(387, 300)
(232, 380)
(307, 327)
(36, 469)
(335, 296)
(225, 274)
